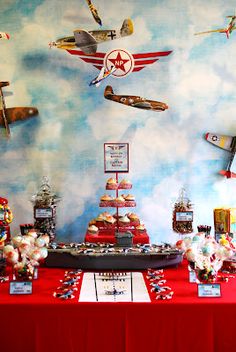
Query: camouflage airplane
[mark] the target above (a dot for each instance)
(135, 101)
(87, 41)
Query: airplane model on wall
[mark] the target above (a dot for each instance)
(134, 101)
(228, 30)
(94, 12)
(87, 41)
(227, 143)
(10, 115)
(104, 73)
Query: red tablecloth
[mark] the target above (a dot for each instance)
(42, 323)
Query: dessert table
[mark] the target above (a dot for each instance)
(42, 323)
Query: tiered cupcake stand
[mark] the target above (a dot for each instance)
(106, 228)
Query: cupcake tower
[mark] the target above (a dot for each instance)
(111, 222)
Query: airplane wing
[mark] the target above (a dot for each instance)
(227, 143)
(221, 141)
(232, 166)
(142, 105)
(100, 76)
(101, 73)
(17, 114)
(85, 41)
(105, 74)
(221, 30)
(230, 171)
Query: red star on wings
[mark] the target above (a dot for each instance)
(118, 62)
(141, 60)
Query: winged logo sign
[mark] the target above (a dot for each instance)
(122, 59)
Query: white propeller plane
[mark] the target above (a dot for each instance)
(104, 73)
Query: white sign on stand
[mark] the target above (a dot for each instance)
(116, 157)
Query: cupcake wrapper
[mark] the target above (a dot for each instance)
(134, 223)
(111, 187)
(124, 186)
(130, 203)
(106, 203)
(118, 204)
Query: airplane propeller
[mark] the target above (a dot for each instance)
(51, 44)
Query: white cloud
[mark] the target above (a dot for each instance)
(156, 210)
(75, 191)
(110, 123)
(156, 143)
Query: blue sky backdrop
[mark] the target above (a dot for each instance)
(65, 142)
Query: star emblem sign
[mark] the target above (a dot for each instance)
(122, 60)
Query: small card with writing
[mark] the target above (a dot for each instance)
(21, 287)
(209, 290)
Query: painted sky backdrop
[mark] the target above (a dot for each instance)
(65, 142)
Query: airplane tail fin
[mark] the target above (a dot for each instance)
(127, 28)
(108, 92)
(227, 173)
